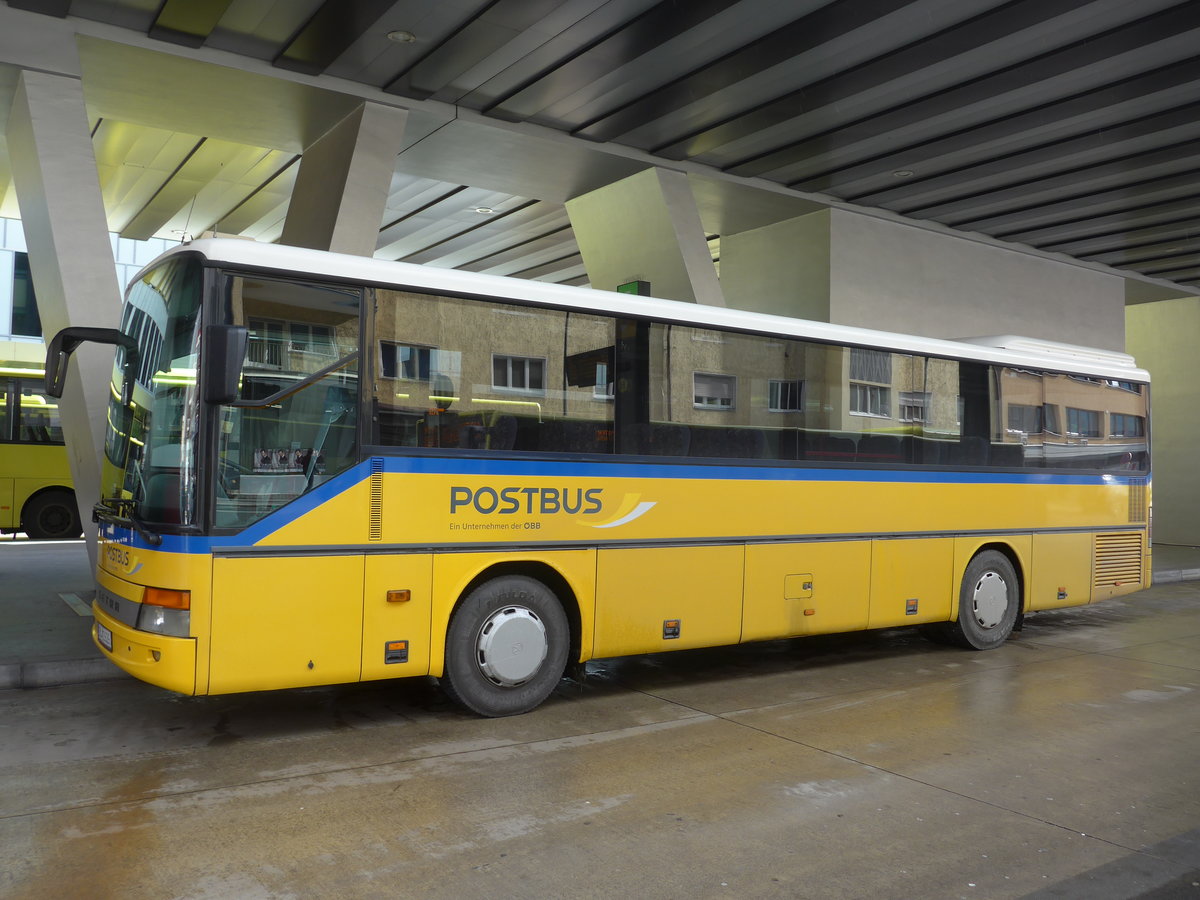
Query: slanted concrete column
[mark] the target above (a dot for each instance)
(70, 256)
(854, 269)
(343, 183)
(646, 228)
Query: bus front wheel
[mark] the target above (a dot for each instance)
(51, 516)
(506, 647)
(988, 603)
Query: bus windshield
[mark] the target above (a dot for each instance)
(151, 443)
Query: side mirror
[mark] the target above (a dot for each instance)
(224, 353)
(63, 344)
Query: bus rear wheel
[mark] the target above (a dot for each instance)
(51, 516)
(988, 604)
(506, 647)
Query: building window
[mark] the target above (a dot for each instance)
(1083, 422)
(785, 396)
(870, 400)
(603, 389)
(405, 361)
(1024, 419)
(265, 347)
(913, 405)
(519, 373)
(309, 338)
(870, 365)
(713, 391)
(1121, 425)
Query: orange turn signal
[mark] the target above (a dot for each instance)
(168, 598)
(399, 596)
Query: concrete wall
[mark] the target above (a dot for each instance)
(900, 278)
(782, 268)
(1162, 337)
(852, 269)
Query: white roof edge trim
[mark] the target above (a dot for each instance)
(1022, 344)
(303, 262)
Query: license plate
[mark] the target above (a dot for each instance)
(104, 636)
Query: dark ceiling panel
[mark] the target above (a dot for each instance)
(967, 209)
(640, 35)
(1059, 237)
(57, 8)
(188, 22)
(1097, 203)
(1175, 228)
(778, 47)
(1148, 253)
(942, 45)
(334, 27)
(987, 173)
(1053, 76)
(494, 26)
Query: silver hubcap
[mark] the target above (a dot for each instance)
(990, 600)
(511, 646)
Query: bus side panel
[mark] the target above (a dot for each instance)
(798, 589)
(9, 512)
(1062, 571)
(911, 581)
(641, 591)
(389, 623)
(285, 622)
(454, 572)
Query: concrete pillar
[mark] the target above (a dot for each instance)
(343, 183)
(646, 228)
(70, 256)
(854, 269)
(1162, 338)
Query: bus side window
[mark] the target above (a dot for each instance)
(5, 417)
(37, 416)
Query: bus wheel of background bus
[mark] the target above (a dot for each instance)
(51, 516)
(506, 647)
(988, 604)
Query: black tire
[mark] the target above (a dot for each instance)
(51, 516)
(506, 647)
(988, 603)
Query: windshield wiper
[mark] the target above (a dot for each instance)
(123, 515)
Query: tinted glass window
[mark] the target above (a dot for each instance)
(461, 374)
(301, 377)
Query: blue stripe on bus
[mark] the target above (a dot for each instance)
(476, 466)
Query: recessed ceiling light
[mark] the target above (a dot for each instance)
(902, 173)
(484, 210)
(401, 37)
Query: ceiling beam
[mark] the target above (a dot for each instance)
(188, 22)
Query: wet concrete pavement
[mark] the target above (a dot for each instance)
(1063, 764)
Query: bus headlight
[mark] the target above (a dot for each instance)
(165, 612)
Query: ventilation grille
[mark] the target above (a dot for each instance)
(375, 526)
(1119, 559)
(1137, 500)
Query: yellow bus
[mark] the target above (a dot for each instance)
(326, 469)
(36, 494)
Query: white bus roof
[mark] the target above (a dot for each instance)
(1009, 350)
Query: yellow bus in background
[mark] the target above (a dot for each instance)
(36, 494)
(325, 469)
